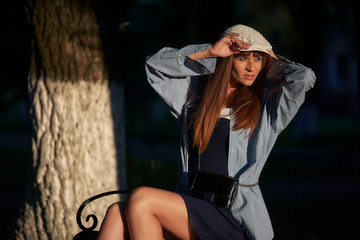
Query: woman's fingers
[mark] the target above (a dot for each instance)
(228, 45)
(237, 43)
(232, 35)
(272, 54)
(272, 59)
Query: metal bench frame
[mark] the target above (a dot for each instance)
(88, 232)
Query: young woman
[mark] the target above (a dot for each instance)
(231, 99)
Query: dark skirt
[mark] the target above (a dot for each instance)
(211, 222)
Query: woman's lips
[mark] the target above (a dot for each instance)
(249, 77)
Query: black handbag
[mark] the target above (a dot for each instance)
(218, 189)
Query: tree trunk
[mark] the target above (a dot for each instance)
(77, 148)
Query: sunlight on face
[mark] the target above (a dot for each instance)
(245, 68)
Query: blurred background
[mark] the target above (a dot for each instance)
(311, 182)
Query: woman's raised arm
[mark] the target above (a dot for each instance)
(225, 47)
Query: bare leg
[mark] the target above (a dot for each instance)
(154, 213)
(114, 225)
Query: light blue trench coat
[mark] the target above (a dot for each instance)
(171, 74)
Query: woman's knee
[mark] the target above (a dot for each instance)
(139, 201)
(113, 209)
(114, 225)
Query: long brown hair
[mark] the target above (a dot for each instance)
(247, 102)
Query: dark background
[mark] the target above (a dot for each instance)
(311, 183)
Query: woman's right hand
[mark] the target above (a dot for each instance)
(225, 47)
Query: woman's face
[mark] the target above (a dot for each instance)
(246, 67)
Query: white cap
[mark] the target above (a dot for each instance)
(251, 36)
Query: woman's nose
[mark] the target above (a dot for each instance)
(250, 66)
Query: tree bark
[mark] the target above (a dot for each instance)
(77, 148)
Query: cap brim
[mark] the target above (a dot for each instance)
(255, 50)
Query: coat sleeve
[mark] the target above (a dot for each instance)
(170, 72)
(287, 83)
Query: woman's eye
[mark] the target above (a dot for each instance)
(257, 58)
(242, 58)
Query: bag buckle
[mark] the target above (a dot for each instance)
(209, 196)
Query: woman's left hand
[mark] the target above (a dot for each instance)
(272, 59)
